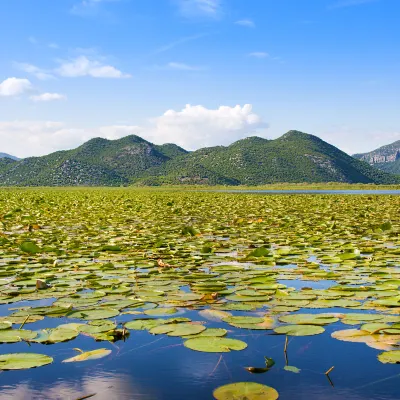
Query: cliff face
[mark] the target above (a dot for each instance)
(385, 154)
(386, 158)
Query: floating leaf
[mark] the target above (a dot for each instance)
(299, 330)
(23, 361)
(94, 313)
(14, 335)
(245, 390)
(214, 344)
(89, 355)
(182, 329)
(291, 369)
(30, 247)
(309, 319)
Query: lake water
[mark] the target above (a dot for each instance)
(159, 367)
(147, 367)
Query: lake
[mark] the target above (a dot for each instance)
(300, 267)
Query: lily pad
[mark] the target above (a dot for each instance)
(309, 319)
(15, 335)
(23, 361)
(214, 344)
(390, 357)
(245, 390)
(89, 355)
(93, 313)
(299, 330)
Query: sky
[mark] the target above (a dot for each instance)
(198, 72)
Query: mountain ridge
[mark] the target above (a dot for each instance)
(294, 157)
(6, 155)
(385, 158)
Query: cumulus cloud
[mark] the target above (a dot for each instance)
(246, 22)
(48, 97)
(83, 66)
(36, 138)
(14, 87)
(192, 127)
(197, 126)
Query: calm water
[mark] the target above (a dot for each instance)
(147, 367)
(299, 191)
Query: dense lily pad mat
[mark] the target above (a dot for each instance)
(202, 269)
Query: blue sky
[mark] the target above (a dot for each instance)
(198, 72)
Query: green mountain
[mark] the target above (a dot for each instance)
(97, 162)
(294, 157)
(5, 155)
(386, 158)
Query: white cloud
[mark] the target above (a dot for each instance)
(192, 127)
(197, 126)
(44, 97)
(14, 87)
(182, 66)
(35, 138)
(39, 73)
(246, 22)
(350, 3)
(200, 8)
(259, 54)
(83, 66)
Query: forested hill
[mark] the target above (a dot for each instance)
(386, 158)
(294, 157)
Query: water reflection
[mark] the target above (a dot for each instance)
(106, 386)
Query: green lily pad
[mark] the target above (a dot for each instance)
(182, 329)
(390, 357)
(93, 313)
(5, 325)
(23, 361)
(160, 312)
(214, 344)
(291, 369)
(309, 319)
(245, 390)
(16, 335)
(299, 330)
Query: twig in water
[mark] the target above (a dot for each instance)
(22, 325)
(286, 358)
(330, 381)
(229, 372)
(86, 397)
(286, 344)
(329, 370)
(220, 359)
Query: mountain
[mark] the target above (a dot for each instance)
(97, 162)
(386, 158)
(294, 157)
(5, 155)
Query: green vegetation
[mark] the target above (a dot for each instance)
(112, 262)
(295, 157)
(386, 158)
